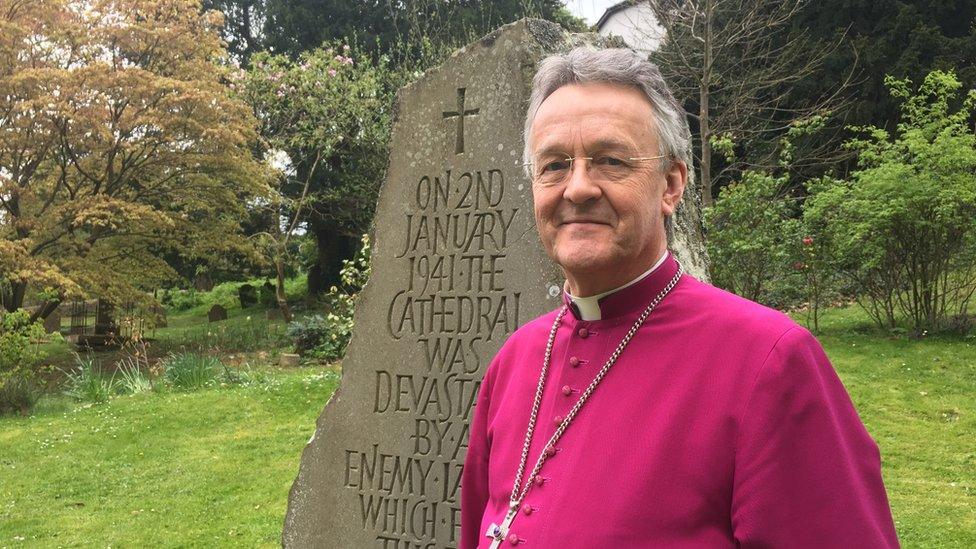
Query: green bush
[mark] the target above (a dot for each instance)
(133, 369)
(244, 376)
(85, 383)
(182, 300)
(188, 371)
(750, 238)
(901, 229)
(308, 332)
(131, 379)
(327, 337)
(19, 357)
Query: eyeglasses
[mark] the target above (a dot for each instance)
(603, 168)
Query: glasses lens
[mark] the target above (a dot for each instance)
(602, 168)
(610, 168)
(552, 170)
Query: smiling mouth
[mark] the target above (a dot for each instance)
(583, 222)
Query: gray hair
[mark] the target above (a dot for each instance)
(615, 66)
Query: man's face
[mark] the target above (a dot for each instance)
(601, 230)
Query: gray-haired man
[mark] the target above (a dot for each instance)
(652, 410)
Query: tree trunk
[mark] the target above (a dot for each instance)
(333, 247)
(706, 150)
(44, 310)
(12, 294)
(703, 120)
(280, 251)
(280, 287)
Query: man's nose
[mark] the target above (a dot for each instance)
(580, 187)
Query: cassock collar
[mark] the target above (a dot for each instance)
(631, 297)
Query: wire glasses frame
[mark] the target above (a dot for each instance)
(604, 167)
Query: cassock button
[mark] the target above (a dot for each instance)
(557, 420)
(574, 362)
(567, 390)
(550, 452)
(527, 510)
(583, 333)
(538, 480)
(513, 539)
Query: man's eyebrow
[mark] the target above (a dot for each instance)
(552, 149)
(609, 143)
(602, 144)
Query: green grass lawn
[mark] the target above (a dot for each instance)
(918, 401)
(206, 468)
(213, 467)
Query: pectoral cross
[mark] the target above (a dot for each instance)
(498, 532)
(460, 113)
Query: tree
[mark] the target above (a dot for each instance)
(902, 227)
(901, 38)
(120, 141)
(406, 37)
(329, 106)
(736, 62)
(243, 28)
(397, 28)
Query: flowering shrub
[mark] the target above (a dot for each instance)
(815, 266)
(328, 112)
(326, 337)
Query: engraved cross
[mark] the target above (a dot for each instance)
(460, 113)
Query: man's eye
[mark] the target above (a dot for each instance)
(608, 161)
(555, 166)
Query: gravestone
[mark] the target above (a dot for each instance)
(457, 266)
(216, 314)
(203, 283)
(248, 295)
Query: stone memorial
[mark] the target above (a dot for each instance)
(216, 314)
(203, 283)
(457, 266)
(248, 295)
(92, 323)
(105, 324)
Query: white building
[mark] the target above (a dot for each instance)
(635, 23)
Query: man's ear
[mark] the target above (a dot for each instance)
(675, 178)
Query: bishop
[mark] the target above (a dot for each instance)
(651, 409)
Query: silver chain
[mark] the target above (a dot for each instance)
(517, 495)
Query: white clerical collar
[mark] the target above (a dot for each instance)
(589, 307)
